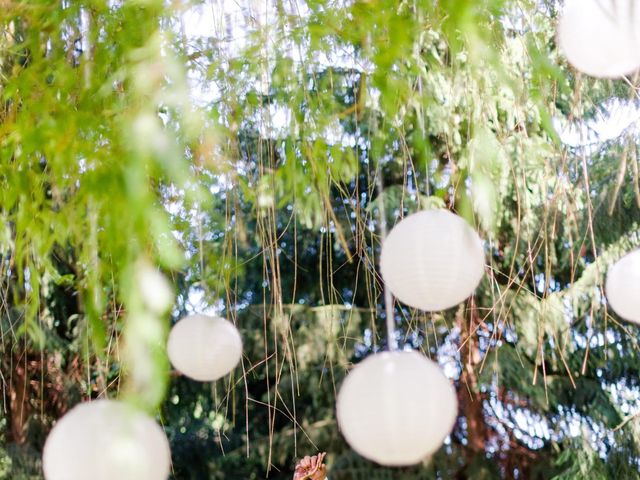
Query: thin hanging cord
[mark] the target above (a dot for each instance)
(388, 298)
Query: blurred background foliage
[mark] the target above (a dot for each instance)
(239, 147)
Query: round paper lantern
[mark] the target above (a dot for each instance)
(204, 348)
(105, 440)
(432, 260)
(396, 408)
(601, 37)
(623, 286)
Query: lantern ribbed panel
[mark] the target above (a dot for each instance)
(601, 37)
(396, 408)
(106, 440)
(204, 348)
(623, 287)
(432, 260)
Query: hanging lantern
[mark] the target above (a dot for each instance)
(204, 348)
(601, 37)
(623, 286)
(396, 408)
(105, 440)
(432, 260)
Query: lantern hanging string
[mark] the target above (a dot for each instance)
(388, 298)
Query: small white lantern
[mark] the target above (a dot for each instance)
(623, 286)
(204, 348)
(396, 408)
(106, 440)
(432, 260)
(601, 37)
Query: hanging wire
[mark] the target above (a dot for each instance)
(388, 298)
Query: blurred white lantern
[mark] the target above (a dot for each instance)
(432, 260)
(396, 408)
(106, 440)
(601, 37)
(623, 286)
(204, 348)
(155, 289)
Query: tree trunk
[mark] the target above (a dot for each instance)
(469, 395)
(19, 408)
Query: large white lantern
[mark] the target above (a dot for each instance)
(204, 348)
(601, 37)
(623, 286)
(106, 440)
(432, 260)
(396, 408)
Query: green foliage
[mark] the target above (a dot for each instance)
(262, 201)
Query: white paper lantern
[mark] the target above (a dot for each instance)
(396, 408)
(601, 37)
(204, 348)
(432, 260)
(106, 440)
(623, 286)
